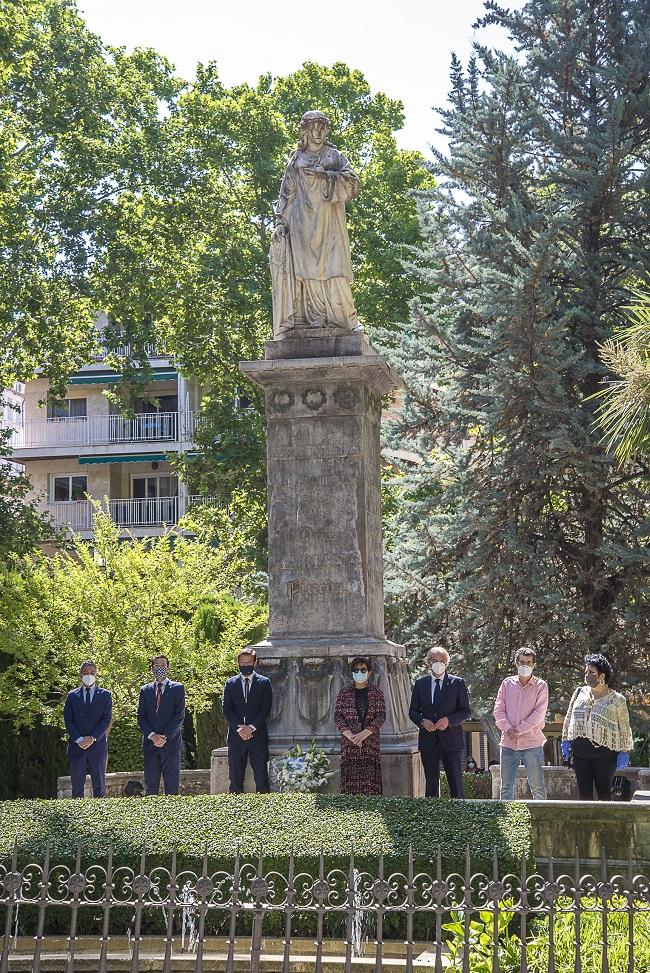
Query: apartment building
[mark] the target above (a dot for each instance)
(80, 447)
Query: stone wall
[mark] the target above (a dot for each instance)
(560, 828)
(192, 782)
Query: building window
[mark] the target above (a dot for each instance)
(153, 487)
(66, 408)
(67, 488)
(163, 403)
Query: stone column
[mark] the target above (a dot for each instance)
(323, 408)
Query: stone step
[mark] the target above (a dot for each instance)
(303, 959)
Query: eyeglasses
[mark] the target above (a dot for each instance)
(359, 670)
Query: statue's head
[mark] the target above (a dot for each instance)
(315, 127)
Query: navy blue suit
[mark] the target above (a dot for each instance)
(164, 761)
(255, 712)
(91, 720)
(445, 745)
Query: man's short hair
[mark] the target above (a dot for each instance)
(525, 650)
(251, 652)
(88, 662)
(159, 657)
(437, 648)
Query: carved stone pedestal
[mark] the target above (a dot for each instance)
(323, 408)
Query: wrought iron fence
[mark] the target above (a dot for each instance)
(476, 904)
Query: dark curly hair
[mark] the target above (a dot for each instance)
(601, 664)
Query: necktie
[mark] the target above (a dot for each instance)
(246, 690)
(436, 694)
(159, 692)
(86, 698)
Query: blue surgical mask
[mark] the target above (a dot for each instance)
(246, 670)
(360, 676)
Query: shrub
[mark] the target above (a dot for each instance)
(591, 938)
(272, 822)
(477, 786)
(125, 746)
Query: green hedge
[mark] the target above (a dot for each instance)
(125, 746)
(476, 786)
(274, 822)
(31, 759)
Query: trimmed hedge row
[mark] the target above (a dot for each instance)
(271, 822)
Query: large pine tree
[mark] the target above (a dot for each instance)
(517, 527)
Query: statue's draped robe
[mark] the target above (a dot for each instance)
(311, 268)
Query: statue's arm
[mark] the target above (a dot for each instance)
(345, 182)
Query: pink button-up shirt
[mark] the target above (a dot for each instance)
(523, 709)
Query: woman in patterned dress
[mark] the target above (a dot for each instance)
(596, 732)
(360, 712)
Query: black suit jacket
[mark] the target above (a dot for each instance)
(93, 721)
(255, 712)
(453, 703)
(169, 718)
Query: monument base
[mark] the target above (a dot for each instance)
(401, 772)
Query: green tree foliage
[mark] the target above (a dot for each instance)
(79, 124)
(119, 604)
(21, 524)
(518, 527)
(624, 412)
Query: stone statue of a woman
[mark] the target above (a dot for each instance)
(310, 251)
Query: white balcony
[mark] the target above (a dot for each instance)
(78, 515)
(102, 430)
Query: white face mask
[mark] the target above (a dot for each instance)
(525, 671)
(88, 680)
(438, 669)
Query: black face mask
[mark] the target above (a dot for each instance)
(246, 670)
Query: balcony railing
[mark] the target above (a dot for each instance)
(125, 351)
(154, 512)
(151, 427)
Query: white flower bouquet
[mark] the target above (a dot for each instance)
(301, 771)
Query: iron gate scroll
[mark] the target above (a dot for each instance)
(250, 891)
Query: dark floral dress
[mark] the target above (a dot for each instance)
(360, 766)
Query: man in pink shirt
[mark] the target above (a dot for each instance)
(520, 714)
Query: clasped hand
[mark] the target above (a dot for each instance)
(440, 724)
(357, 738)
(159, 739)
(85, 743)
(245, 732)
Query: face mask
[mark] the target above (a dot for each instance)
(525, 671)
(360, 676)
(88, 680)
(246, 670)
(438, 668)
(160, 672)
(591, 680)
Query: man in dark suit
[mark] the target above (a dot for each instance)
(161, 711)
(439, 707)
(87, 714)
(247, 702)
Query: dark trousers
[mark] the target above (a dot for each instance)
(452, 763)
(593, 766)
(91, 761)
(163, 762)
(239, 752)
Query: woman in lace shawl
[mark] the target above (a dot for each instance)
(596, 732)
(310, 261)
